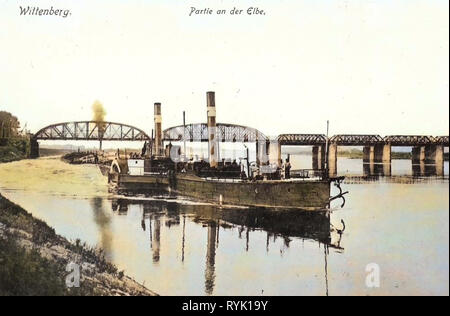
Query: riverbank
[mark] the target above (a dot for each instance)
(33, 261)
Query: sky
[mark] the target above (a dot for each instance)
(370, 67)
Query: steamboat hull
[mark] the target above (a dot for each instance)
(307, 195)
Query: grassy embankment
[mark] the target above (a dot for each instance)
(33, 260)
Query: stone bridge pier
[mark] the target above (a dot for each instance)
(418, 154)
(332, 159)
(262, 152)
(318, 157)
(275, 153)
(380, 153)
(430, 154)
(372, 154)
(34, 148)
(434, 154)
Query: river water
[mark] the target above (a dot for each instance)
(178, 247)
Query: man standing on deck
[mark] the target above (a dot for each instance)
(287, 169)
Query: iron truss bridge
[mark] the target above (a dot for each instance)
(92, 130)
(225, 133)
(411, 140)
(442, 140)
(393, 140)
(302, 139)
(357, 140)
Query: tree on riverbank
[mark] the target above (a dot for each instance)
(14, 149)
(9, 125)
(13, 145)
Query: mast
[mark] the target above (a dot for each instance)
(184, 134)
(326, 150)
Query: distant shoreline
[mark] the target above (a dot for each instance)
(358, 154)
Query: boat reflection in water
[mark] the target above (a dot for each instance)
(285, 224)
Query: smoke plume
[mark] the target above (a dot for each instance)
(99, 111)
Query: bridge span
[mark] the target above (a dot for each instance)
(87, 130)
(376, 149)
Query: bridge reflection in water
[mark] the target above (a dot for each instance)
(417, 170)
(284, 224)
